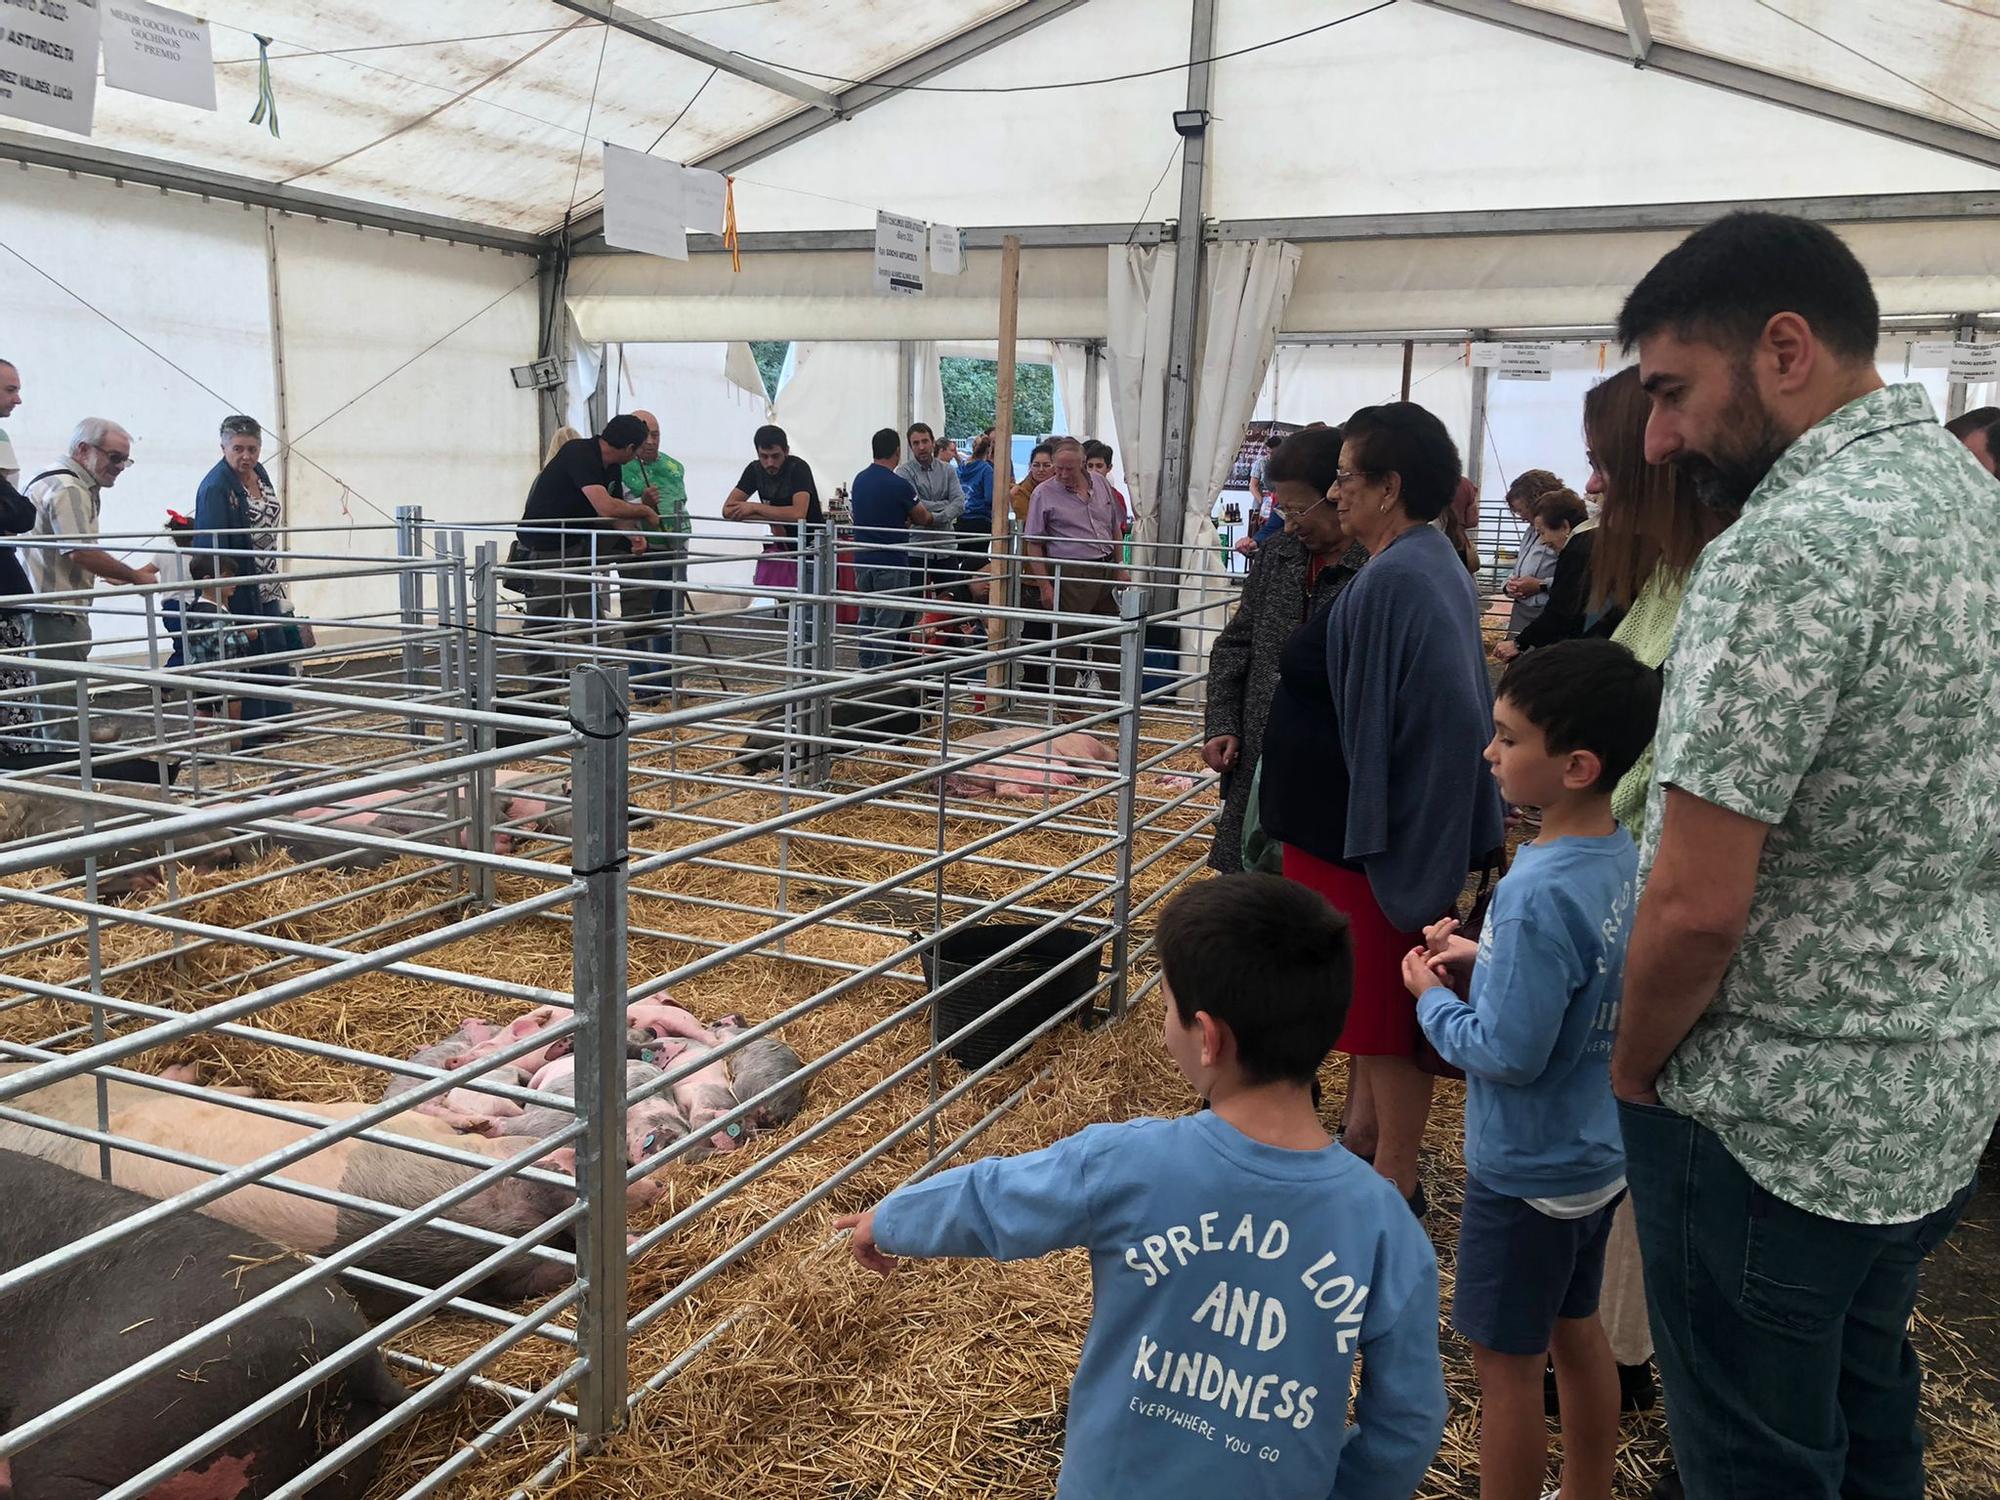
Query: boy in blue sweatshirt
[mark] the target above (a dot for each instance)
(1544, 1166)
(1240, 1260)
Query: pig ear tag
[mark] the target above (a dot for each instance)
(651, 1136)
(735, 1130)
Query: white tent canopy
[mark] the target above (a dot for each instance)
(1437, 166)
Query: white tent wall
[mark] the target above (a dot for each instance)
(187, 278)
(707, 422)
(835, 399)
(438, 326)
(1330, 382)
(1141, 284)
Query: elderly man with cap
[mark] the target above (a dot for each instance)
(660, 482)
(574, 502)
(68, 505)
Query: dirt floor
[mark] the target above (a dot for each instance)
(822, 1382)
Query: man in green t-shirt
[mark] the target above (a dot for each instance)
(659, 483)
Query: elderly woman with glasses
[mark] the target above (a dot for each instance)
(239, 527)
(1300, 571)
(1374, 779)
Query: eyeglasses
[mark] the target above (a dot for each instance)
(1293, 517)
(1342, 476)
(116, 460)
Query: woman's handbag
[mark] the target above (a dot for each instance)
(778, 567)
(1470, 926)
(1262, 854)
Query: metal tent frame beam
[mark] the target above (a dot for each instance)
(618, 18)
(1611, 219)
(1617, 218)
(968, 44)
(1638, 30)
(204, 182)
(1735, 77)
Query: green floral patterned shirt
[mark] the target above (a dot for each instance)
(1836, 674)
(668, 477)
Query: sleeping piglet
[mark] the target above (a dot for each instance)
(1035, 770)
(758, 1065)
(452, 1053)
(651, 1125)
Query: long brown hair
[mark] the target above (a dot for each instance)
(1652, 520)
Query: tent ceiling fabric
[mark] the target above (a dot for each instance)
(477, 108)
(491, 111)
(1937, 59)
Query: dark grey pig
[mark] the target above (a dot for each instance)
(759, 1065)
(71, 1329)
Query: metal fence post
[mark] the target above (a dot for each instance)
(410, 599)
(1131, 693)
(485, 612)
(821, 651)
(598, 710)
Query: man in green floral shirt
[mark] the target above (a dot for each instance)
(1809, 1050)
(660, 483)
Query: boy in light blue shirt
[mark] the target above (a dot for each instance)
(1241, 1261)
(1544, 1163)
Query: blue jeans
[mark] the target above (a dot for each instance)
(1782, 1337)
(884, 619)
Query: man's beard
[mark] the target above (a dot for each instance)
(1744, 452)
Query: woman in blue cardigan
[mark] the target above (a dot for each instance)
(1374, 777)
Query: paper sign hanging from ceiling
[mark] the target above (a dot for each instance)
(645, 203)
(947, 250)
(48, 62)
(1963, 361)
(1515, 361)
(899, 254)
(151, 50)
(706, 193)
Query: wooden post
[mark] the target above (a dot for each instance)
(1409, 359)
(1003, 589)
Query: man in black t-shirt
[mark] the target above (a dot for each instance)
(576, 494)
(777, 488)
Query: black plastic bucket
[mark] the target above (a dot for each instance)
(1073, 950)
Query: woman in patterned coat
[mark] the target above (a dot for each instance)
(1298, 574)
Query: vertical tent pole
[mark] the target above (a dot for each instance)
(1003, 590)
(1178, 436)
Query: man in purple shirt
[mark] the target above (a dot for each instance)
(1071, 545)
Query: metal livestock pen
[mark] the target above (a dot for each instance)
(832, 893)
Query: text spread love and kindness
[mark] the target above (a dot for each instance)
(1265, 1290)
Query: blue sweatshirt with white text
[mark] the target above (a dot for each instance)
(1233, 1286)
(1535, 1037)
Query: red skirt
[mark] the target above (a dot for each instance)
(1382, 1016)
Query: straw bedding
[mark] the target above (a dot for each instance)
(945, 1380)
